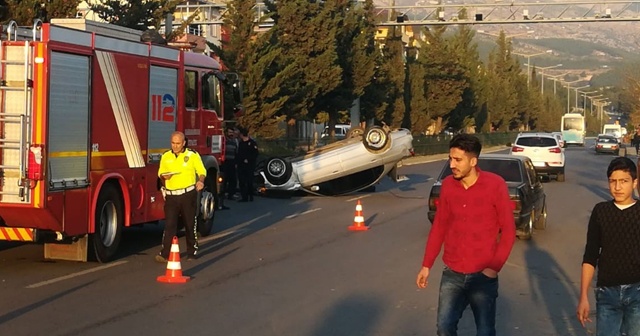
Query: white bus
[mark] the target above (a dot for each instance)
(573, 129)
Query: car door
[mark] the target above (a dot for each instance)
(535, 186)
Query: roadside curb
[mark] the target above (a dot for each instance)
(415, 160)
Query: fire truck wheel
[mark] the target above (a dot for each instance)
(205, 225)
(109, 217)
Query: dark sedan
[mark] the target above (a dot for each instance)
(607, 144)
(524, 186)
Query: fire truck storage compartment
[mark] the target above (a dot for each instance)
(68, 121)
(162, 109)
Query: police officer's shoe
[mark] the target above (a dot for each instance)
(160, 259)
(191, 257)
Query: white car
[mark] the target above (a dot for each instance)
(346, 166)
(544, 151)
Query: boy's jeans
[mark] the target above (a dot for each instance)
(618, 310)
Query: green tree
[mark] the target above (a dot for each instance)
(234, 52)
(263, 83)
(446, 77)
(463, 115)
(393, 67)
(135, 14)
(503, 76)
(354, 42)
(375, 98)
(25, 11)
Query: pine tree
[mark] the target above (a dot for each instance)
(463, 115)
(445, 75)
(355, 56)
(25, 11)
(394, 69)
(135, 14)
(234, 51)
(503, 76)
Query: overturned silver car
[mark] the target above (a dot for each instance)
(353, 164)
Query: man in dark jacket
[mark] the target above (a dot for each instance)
(246, 161)
(229, 165)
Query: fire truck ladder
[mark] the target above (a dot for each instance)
(16, 85)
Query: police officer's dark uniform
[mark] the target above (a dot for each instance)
(181, 193)
(246, 161)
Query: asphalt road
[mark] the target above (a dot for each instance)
(290, 267)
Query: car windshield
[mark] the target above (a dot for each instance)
(509, 170)
(536, 142)
(607, 139)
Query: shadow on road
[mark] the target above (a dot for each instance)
(553, 288)
(354, 315)
(598, 191)
(39, 304)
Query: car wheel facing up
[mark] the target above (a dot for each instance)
(376, 139)
(278, 171)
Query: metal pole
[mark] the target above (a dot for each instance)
(568, 96)
(528, 70)
(576, 98)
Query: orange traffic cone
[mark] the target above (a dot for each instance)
(358, 220)
(174, 268)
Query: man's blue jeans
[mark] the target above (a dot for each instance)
(618, 310)
(457, 291)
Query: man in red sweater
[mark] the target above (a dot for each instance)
(474, 221)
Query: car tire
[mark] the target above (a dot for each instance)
(527, 232)
(355, 132)
(560, 176)
(376, 139)
(541, 222)
(278, 170)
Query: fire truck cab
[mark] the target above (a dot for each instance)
(85, 115)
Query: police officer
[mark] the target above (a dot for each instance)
(178, 170)
(246, 161)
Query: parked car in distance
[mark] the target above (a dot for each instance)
(607, 144)
(353, 164)
(523, 183)
(341, 131)
(544, 151)
(560, 138)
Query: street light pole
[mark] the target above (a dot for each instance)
(550, 76)
(584, 100)
(528, 56)
(582, 87)
(569, 93)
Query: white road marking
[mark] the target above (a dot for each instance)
(357, 198)
(77, 274)
(240, 228)
(302, 213)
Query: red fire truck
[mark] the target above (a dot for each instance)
(85, 115)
